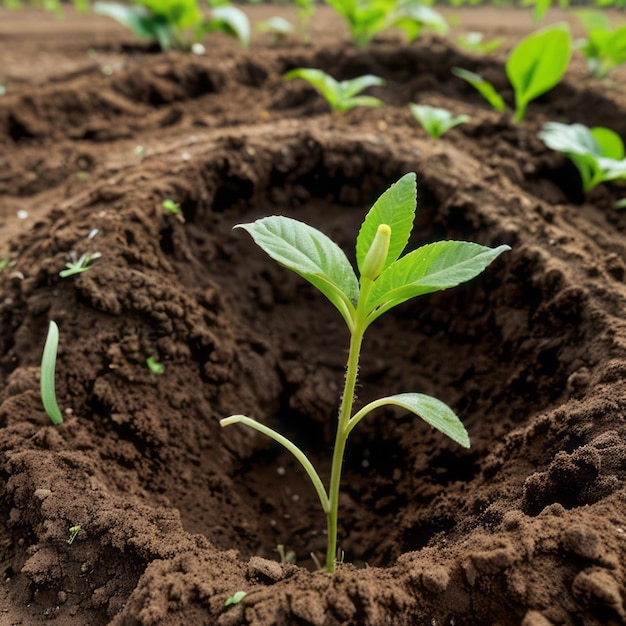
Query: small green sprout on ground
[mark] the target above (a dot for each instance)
(177, 23)
(236, 598)
(598, 152)
(154, 366)
(4, 263)
(534, 66)
(79, 266)
(367, 19)
(340, 95)
(473, 42)
(386, 280)
(171, 206)
(48, 366)
(604, 48)
(74, 530)
(286, 556)
(434, 120)
(278, 29)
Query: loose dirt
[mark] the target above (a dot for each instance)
(96, 130)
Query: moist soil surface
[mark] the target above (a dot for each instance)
(528, 526)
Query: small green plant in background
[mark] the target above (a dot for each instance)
(367, 18)
(340, 95)
(154, 366)
(48, 366)
(386, 280)
(236, 598)
(473, 42)
(170, 206)
(534, 66)
(277, 28)
(603, 47)
(74, 530)
(177, 24)
(598, 153)
(435, 120)
(79, 266)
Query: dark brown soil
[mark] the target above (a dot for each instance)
(527, 527)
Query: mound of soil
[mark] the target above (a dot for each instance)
(175, 514)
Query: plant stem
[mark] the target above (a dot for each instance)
(345, 412)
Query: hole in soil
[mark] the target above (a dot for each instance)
(477, 347)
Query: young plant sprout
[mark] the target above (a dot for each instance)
(386, 280)
(434, 120)
(154, 366)
(473, 42)
(74, 530)
(341, 96)
(604, 47)
(598, 153)
(80, 266)
(236, 598)
(171, 206)
(534, 66)
(48, 365)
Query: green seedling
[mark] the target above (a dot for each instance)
(171, 206)
(74, 530)
(534, 66)
(236, 598)
(176, 23)
(278, 29)
(3, 90)
(620, 204)
(286, 556)
(604, 48)
(4, 263)
(386, 280)
(154, 366)
(473, 42)
(48, 365)
(598, 153)
(367, 18)
(340, 95)
(80, 266)
(434, 120)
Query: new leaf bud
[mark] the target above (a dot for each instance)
(376, 256)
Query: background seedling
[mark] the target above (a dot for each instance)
(74, 530)
(434, 120)
(236, 598)
(598, 153)
(77, 267)
(341, 96)
(366, 19)
(48, 366)
(604, 48)
(177, 23)
(154, 366)
(286, 556)
(534, 66)
(386, 280)
(473, 42)
(171, 206)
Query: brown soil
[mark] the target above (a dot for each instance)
(527, 527)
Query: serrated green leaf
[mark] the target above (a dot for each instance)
(396, 207)
(537, 64)
(432, 267)
(484, 88)
(311, 254)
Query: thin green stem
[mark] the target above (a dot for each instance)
(300, 456)
(345, 412)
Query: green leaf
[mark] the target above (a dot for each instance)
(431, 410)
(537, 64)
(610, 143)
(396, 207)
(432, 267)
(230, 21)
(434, 120)
(48, 366)
(339, 95)
(484, 88)
(312, 255)
(435, 413)
(593, 20)
(236, 598)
